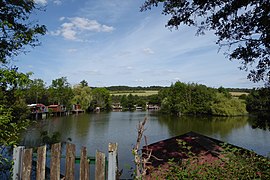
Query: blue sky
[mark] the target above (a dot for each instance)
(110, 42)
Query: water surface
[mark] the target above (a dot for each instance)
(95, 131)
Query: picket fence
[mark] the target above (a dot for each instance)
(23, 163)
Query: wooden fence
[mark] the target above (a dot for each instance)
(23, 163)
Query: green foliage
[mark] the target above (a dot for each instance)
(234, 163)
(258, 103)
(36, 92)
(12, 82)
(224, 106)
(11, 79)
(82, 96)
(224, 91)
(17, 30)
(101, 98)
(183, 98)
(243, 96)
(258, 100)
(84, 83)
(60, 92)
(130, 101)
(241, 26)
(154, 99)
(9, 129)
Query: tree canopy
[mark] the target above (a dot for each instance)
(82, 95)
(183, 98)
(60, 91)
(16, 29)
(242, 26)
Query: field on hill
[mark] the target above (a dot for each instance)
(237, 94)
(151, 92)
(138, 93)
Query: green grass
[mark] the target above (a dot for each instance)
(138, 93)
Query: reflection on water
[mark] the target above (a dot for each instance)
(210, 126)
(95, 131)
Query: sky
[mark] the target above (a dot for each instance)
(111, 43)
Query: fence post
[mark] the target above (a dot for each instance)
(27, 164)
(55, 161)
(70, 162)
(113, 161)
(17, 158)
(100, 166)
(84, 165)
(41, 162)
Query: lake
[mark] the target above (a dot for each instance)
(96, 130)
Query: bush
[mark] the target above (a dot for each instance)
(223, 106)
(235, 164)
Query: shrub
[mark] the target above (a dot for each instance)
(235, 164)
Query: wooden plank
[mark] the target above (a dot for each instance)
(27, 164)
(113, 161)
(100, 166)
(41, 163)
(55, 161)
(70, 162)
(17, 159)
(84, 165)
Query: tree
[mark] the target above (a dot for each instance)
(242, 26)
(101, 98)
(84, 83)
(258, 103)
(154, 99)
(226, 106)
(36, 92)
(16, 29)
(11, 81)
(259, 100)
(82, 96)
(60, 92)
(16, 32)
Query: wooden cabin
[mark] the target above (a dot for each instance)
(56, 108)
(38, 108)
(76, 108)
(152, 107)
(38, 111)
(116, 106)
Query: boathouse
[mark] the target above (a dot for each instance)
(76, 108)
(57, 109)
(38, 111)
(196, 149)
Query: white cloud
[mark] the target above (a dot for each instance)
(139, 80)
(148, 51)
(78, 26)
(129, 68)
(57, 2)
(62, 18)
(91, 25)
(42, 2)
(72, 50)
(68, 31)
